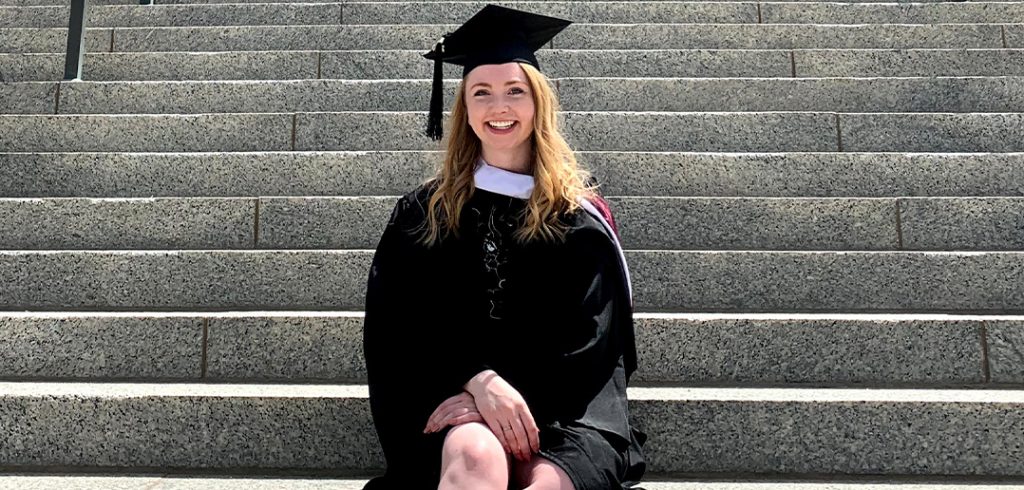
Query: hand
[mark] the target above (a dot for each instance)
(456, 410)
(504, 410)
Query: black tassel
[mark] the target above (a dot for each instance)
(434, 127)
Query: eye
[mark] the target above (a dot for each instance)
(479, 92)
(516, 90)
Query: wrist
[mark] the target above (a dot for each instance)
(477, 383)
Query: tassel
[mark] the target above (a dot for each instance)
(434, 127)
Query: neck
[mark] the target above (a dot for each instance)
(513, 159)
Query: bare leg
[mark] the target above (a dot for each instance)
(541, 474)
(473, 459)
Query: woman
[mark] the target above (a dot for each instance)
(499, 342)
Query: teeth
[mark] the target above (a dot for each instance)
(501, 124)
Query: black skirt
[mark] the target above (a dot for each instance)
(592, 460)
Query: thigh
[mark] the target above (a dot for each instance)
(542, 473)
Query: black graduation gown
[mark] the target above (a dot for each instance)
(554, 320)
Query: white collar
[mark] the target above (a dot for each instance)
(501, 181)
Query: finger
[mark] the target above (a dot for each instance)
(465, 419)
(434, 417)
(448, 416)
(499, 433)
(532, 432)
(522, 445)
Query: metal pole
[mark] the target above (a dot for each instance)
(76, 41)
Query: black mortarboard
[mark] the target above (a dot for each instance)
(494, 35)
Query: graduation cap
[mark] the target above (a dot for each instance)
(495, 35)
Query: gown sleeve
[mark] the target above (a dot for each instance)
(397, 364)
(586, 380)
(412, 363)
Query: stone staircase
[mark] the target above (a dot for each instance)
(822, 206)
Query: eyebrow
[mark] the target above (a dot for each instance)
(510, 82)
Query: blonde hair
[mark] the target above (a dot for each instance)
(559, 181)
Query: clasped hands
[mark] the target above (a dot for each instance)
(491, 400)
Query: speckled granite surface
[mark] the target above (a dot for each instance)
(1014, 36)
(168, 223)
(341, 222)
(827, 281)
(213, 174)
(188, 97)
(875, 437)
(576, 36)
(1002, 132)
(27, 67)
(736, 131)
(968, 94)
(29, 40)
(1006, 351)
(981, 223)
(928, 13)
(808, 174)
(753, 350)
(188, 431)
(90, 347)
(262, 38)
(756, 223)
(134, 15)
(909, 63)
(762, 36)
(185, 280)
(583, 12)
(28, 98)
(236, 65)
(198, 132)
(287, 348)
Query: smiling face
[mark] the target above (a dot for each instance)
(500, 109)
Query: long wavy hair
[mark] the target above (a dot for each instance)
(559, 181)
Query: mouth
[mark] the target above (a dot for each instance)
(501, 127)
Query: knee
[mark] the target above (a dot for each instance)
(475, 449)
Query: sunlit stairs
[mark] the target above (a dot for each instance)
(821, 204)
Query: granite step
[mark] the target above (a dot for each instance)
(557, 63)
(891, 13)
(395, 13)
(663, 281)
(974, 12)
(185, 426)
(645, 223)
(32, 3)
(630, 12)
(236, 14)
(619, 173)
(881, 95)
(586, 131)
(664, 482)
(711, 349)
(576, 36)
